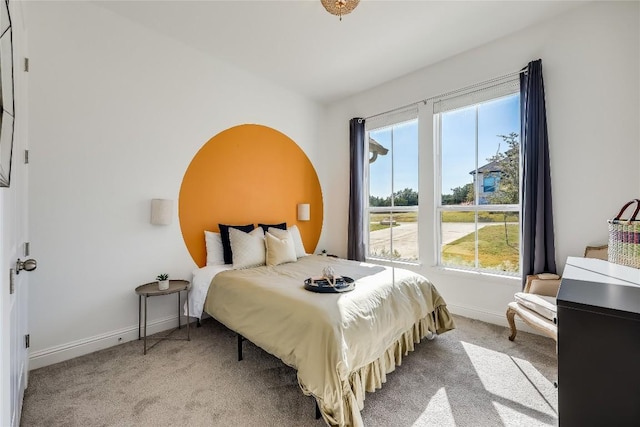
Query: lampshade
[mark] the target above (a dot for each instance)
(339, 7)
(304, 212)
(161, 211)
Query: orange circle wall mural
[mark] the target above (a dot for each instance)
(248, 174)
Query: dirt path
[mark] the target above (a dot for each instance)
(405, 237)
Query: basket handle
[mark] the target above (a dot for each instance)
(624, 208)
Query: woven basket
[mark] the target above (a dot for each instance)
(624, 237)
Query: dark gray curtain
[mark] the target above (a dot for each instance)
(355, 239)
(539, 254)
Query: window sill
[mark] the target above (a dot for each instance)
(508, 279)
(392, 262)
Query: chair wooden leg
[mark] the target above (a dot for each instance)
(512, 323)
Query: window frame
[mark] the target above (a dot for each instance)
(429, 210)
(477, 207)
(383, 121)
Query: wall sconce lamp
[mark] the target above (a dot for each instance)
(161, 211)
(304, 212)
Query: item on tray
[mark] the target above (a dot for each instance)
(322, 284)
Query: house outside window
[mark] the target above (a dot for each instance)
(392, 183)
(486, 178)
(478, 144)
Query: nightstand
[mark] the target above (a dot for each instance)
(151, 290)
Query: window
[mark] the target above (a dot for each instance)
(478, 217)
(392, 196)
(489, 184)
(467, 161)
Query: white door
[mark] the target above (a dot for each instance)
(13, 236)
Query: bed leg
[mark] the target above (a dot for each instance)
(240, 338)
(318, 414)
(198, 324)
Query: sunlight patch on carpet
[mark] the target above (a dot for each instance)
(437, 410)
(545, 387)
(517, 383)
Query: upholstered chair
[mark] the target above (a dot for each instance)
(536, 305)
(598, 252)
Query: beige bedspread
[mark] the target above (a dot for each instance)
(341, 344)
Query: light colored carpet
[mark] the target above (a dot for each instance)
(472, 376)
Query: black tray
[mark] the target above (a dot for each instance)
(343, 284)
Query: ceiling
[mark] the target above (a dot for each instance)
(300, 46)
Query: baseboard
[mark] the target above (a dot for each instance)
(490, 317)
(60, 353)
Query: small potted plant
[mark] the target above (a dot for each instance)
(163, 281)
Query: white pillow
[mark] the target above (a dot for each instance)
(279, 249)
(247, 248)
(213, 242)
(279, 233)
(297, 241)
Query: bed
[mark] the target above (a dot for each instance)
(341, 344)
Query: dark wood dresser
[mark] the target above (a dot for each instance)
(598, 344)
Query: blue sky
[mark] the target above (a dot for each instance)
(405, 168)
(497, 117)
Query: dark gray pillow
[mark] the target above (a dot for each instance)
(226, 243)
(281, 226)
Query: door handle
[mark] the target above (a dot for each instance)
(26, 265)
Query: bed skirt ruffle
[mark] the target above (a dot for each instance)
(370, 377)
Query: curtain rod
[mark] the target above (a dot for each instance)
(454, 92)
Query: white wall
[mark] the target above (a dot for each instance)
(590, 59)
(116, 114)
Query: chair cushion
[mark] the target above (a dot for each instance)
(543, 305)
(542, 287)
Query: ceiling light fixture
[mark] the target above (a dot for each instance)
(340, 7)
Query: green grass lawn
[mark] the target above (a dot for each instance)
(465, 216)
(374, 219)
(375, 226)
(399, 217)
(494, 251)
(492, 246)
(482, 217)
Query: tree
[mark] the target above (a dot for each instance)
(406, 197)
(508, 191)
(379, 201)
(462, 194)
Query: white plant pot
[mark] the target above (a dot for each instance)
(163, 285)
